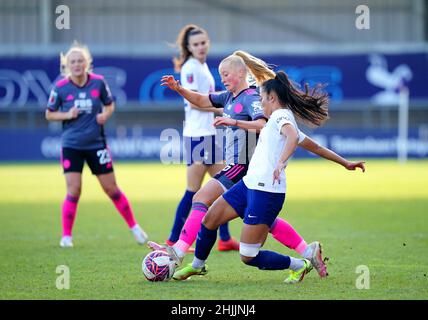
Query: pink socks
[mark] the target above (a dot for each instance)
(284, 233)
(191, 227)
(124, 208)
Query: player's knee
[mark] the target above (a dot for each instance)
(204, 197)
(248, 251)
(200, 197)
(211, 220)
(246, 260)
(111, 190)
(194, 186)
(74, 190)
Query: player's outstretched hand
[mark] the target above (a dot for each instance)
(170, 82)
(353, 165)
(223, 121)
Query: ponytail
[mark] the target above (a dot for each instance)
(259, 69)
(182, 42)
(309, 107)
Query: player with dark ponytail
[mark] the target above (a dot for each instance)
(244, 111)
(308, 108)
(259, 197)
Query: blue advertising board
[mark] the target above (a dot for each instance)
(376, 77)
(166, 145)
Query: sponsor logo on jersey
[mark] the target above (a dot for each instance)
(84, 105)
(282, 118)
(189, 78)
(261, 184)
(257, 106)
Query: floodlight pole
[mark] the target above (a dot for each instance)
(45, 19)
(403, 125)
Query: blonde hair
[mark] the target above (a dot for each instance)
(258, 69)
(75, 47)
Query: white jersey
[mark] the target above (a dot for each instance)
(268, 151)
(196, 76)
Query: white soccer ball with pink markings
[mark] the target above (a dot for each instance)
(158, 266)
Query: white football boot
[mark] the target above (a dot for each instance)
(140, 236)
(66, 242)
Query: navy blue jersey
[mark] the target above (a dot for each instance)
(82, 132)
(245, 106)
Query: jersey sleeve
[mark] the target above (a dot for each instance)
(254, 107)
(219, 99)
(284, 119)
(105, 93)
(54, 101)
(189, 77)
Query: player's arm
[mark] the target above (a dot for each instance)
(289, 131)
(106, 114)
(246, 125)
(328, 154)
(206, 109)
(195, 98)
(61, 116)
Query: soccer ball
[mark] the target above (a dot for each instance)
(158, 266)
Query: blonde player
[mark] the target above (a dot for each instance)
(83, 102)
(204, 154)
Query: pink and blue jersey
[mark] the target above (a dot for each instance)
(245, 106)
(83, 132)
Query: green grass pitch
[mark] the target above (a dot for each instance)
(378, 219)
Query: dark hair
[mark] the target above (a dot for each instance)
(308, 107)
(183, 41)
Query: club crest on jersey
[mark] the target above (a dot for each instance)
(52, 97)
(189, 78)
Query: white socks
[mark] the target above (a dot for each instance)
(198, 263)
(296, 264)
(307, 254)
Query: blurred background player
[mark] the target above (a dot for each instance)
(83, 102)
(258, 198)
(203, 152)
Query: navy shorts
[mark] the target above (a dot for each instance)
(254, 206)
(231, 174)
(206, 150)
(99, 160)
